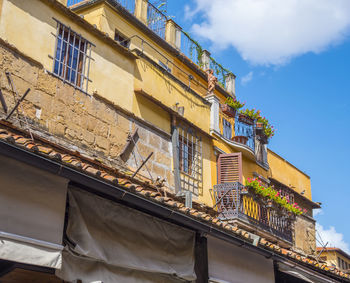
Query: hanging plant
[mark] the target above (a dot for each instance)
(271, 194)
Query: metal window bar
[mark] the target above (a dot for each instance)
(156, 20)
(71, 57)
(250, 208)
(190, 161)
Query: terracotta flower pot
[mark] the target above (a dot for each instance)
(244, 191)
(245, 119)
(228, 110)
(269, 203)
(240, 139)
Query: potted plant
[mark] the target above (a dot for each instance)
(269, 203)
(231, 106)
(263, 129)
(244, 191)
(248, 116)
(240, 139)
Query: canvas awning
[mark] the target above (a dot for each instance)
(114, 243)
(232, 264)
(32, 209)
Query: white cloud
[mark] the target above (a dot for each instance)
(318, 211)
(269, 32)
(331, 236)
(247, 78)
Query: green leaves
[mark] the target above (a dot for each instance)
(234, 103)
(272, 194)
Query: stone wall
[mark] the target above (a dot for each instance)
(66, 116)
(305, 235)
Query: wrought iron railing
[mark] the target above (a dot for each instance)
(219, 71)
(232, 204)
(244, 132)
(156, 20)
(191, 49)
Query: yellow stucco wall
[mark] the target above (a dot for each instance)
(287, 174)
(155, 83)
(207, 151)
(108, 69)
(108, 20)
(332, 258)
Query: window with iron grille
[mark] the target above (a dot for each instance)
(190, 160)
(72, 57)
(226, 129)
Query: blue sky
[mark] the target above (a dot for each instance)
(299, 76)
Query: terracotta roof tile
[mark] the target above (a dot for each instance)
(124, 181)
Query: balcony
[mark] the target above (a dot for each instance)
(251, 212)
(237, 131)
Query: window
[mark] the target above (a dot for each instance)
(71, 60)
(190, 160)
(229, 168)
(123, 40)
(226, 128)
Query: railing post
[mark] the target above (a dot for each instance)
(141, 10)
(231, 84)
(214, 113)
(205, 59)
(173, 34)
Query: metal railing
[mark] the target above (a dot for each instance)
(244, 132)
(156, 20)
(232, 204)
(191, 49)
(219, 71)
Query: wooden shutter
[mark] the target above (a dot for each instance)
(230, 168)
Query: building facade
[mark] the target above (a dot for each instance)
(111, 119)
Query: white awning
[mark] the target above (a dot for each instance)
(32, 210)
(231, 264)
(114, 243)
(25, 252)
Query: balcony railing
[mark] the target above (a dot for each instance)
(232, 204)
(156, 20)
(244, 133)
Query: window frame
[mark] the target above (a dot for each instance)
(74, 68)
(125, 42)
(190, 158)
(226, 128)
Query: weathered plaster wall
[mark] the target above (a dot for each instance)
(305, 235)
(157, 84)
(33, 20)
(68, 117)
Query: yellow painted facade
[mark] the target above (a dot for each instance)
(332, 256)
(289, 175)
(117, 74)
